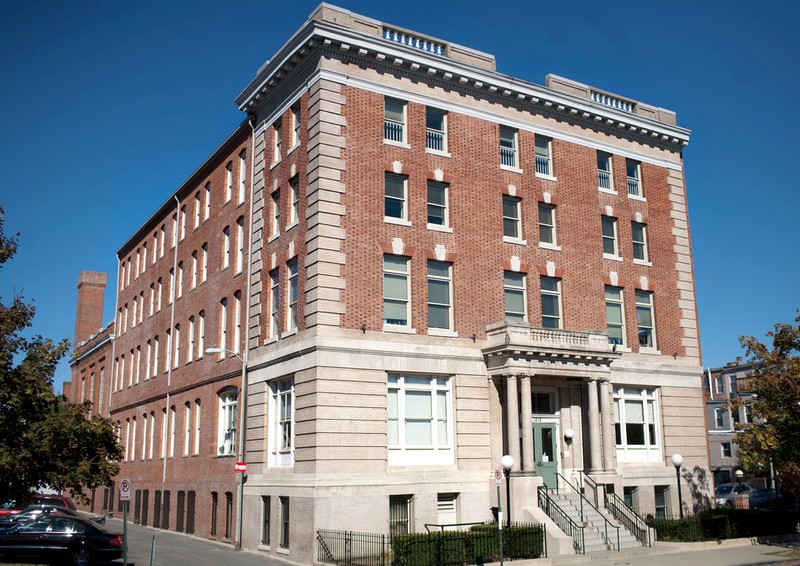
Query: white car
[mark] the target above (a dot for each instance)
(725, 492)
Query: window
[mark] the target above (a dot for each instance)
(396, 291)
(196, 448)
(394, 120)
(547, 224)
(395, 196)
(240, 244)
(514, 296)
(635, 421)
(276, 142)
(610, 248)
(294, 193)
(197, 207)
(292, 287)
(544, 165)
(276, 213)
(435, 129)
(508, 146)
(400, 514)
(283, 503)
(629, 496)
(177, 345)
(446, 510)
(551, 302)
(207, 210)
(190, 352)
(419, 419)
(237, 321)
(661, 496)
(148, 360)
(172, 431)
(228, 514)
(155, 247)
(274, 289)
(201, 334)
(174, 232)
(719, 382)
(615, 315)
(605, 180)
(265, 519)
(440, 300)
(511, 217)
(155, 356)
(226, 438)
(144, 257)
(180, 281)
(639, 235)
(282, 422)
(226, 247)
(152, 435)
(204, 270)
(229, 181)
(183, 222)
(144, 436)
(223, 327)
(726, 449)
(194, 269)
(644, 319)
(719, 420)
(162, 239)
(437, 204)
(187, 427)
(633, 169)
(295, 126)
(242, 175)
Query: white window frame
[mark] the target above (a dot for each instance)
(440, 278)
(641, 253)
(226, 247)
(648, 399)
(435, 393)
(276, 142)
(204, 264)
(190, 349)
(643, 306)
(392, 198)
(237, 321)
(435, 134)
(207, 208)
(201, 333)
(512, 218)
(282, 424)
(293, 291)
(228, 181)
(514, 285)
(719, 418)
(615, 301)
(196, 449)
(547, 225)
(294, 206)
(605, 174)
(197, 207)
(509, 144)
(240, 244)
(296, 126)
(274, 303)
(242, 176)
(610, 235)
(722, 450)
(394, 124)
(633, 171)
(187, 427)
(439, 212)
(550, 292)
(228, 415)
(543, 147)
(223, 327)
(398, 269)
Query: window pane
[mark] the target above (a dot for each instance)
(434, 119)
(635, 434)
(418, 433)
(549, 305)
(394, 313)
(438, 317)
(634, 412)
(418, 405)
(515, 303)
(395, 286)
(394, 110)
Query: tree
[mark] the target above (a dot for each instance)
(45, 441)
(773, 436)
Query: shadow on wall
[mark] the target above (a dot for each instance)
(699, 484)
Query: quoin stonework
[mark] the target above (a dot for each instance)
(406, 265)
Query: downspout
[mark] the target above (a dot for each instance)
(241, 457)
(171, 341)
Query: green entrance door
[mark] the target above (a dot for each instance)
(545, 452)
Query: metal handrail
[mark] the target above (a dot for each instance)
(606, 521)
(596, 485)
(564, 521)
(629, 518)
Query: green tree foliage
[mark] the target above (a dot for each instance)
(45, 441)
(774, 433)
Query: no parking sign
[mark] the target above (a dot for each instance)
(125, 490)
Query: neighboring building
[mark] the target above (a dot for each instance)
(722, 385)
(422, 264)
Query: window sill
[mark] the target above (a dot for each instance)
(270, 340)
(273, 237)
(612, 257)
(621, 348)
(511, 168)
(398, 221)
(293, 148)
(290, 226)
(643, 262)
(442, 332)
(274, 164)
(649, 351)
(396, 144)
(399, 329)
(440, 228)
(607, 191)
(546, 246)
(437, 152)
(546, 177)
(510, 240)
(636, 197)
(288, 333)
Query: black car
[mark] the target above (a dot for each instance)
(57, 536)
(35, 511)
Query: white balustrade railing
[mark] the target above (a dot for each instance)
(613, 102)
(542, 165)
(604, 179)
(414, 41)
(559, 337)
(634, 187)
(393, 131)
(508, 156)
(434, 140)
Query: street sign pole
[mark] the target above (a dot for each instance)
(497, 479)
(125, 497)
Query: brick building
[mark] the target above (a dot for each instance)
(419, 264)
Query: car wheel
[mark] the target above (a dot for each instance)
(81, 557)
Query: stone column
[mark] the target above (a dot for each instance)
(609, 437)
(594, 437)
(512, 420)
(527, 418)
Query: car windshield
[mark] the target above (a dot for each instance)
(724, 489)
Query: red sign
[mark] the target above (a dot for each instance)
(240, 467)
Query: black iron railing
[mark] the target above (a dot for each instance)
(564, 521)
(629, 518)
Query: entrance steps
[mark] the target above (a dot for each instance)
(594, 525)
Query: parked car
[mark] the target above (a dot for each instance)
(57, 536)
(762, 498)
(8, 508)
(725, 492)
(55, 500)
(35, 511)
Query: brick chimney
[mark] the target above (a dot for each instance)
(89, 313)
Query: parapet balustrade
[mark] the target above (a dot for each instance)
(415, 41)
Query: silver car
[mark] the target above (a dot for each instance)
(726, 492)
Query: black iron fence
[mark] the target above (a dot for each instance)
(720, 524)
(479, 544)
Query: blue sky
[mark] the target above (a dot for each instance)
(108, 106)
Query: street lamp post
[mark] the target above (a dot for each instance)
(240, 445)
(507, 462)
(677, 461)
